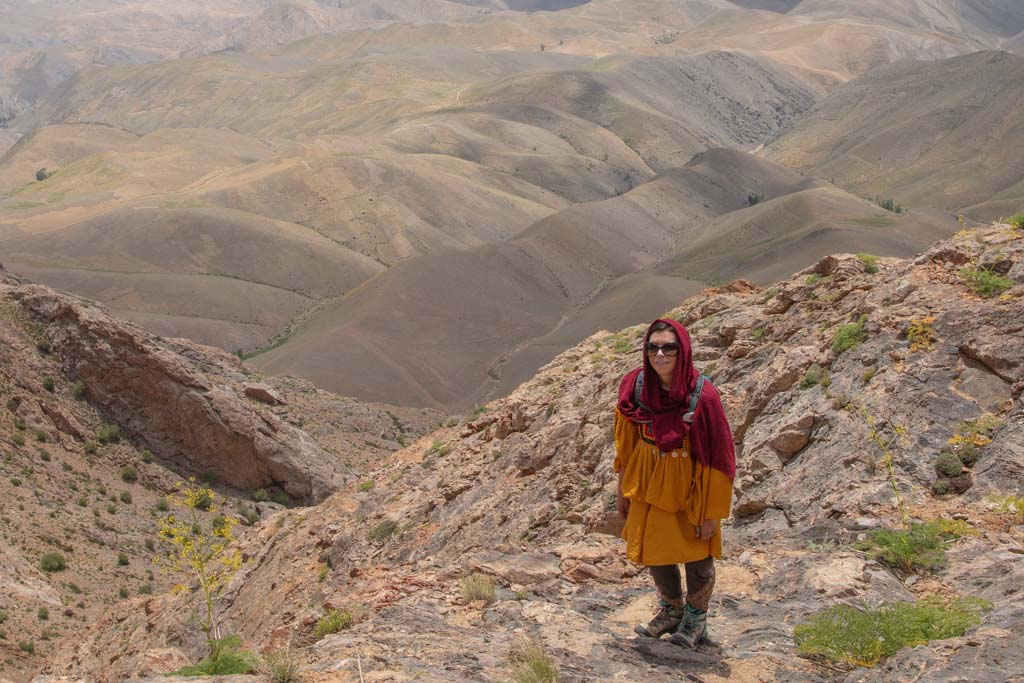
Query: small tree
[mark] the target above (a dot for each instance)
(200, 548)
(42, 175)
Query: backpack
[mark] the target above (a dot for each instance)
(638, 390)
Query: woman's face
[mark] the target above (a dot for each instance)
(661, 361)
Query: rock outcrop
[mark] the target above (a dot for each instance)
(842, 384)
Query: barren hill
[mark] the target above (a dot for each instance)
(938, 134)
(472, 324)
(838, 434)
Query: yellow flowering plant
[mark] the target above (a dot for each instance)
(200, 548)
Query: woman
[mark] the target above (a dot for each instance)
(675, 479)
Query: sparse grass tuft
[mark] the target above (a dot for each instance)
(479, 587)
(870, 262)
(532, 664)
(49, 384)
(129, 473)
(919, 548)
(1010, 505)
(863, 637)
(280, 665)
(367, 485)
(383, 531)
(984, 282)
(332, 622)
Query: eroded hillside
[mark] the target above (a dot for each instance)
(99, 421)
(843, 384)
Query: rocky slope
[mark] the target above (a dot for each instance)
(524, 492)
(98, 421)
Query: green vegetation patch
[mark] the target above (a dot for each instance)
(849, 336)
(333, 622)
(812, 377)
(870, 262)
(984, 282)
(1016, 221)
(863, 637)
(921, 547)
(53, 562)
(227, 658)
(384, 530)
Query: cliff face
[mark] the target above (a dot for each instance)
(828, 378)
(98, 421)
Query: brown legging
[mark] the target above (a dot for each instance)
(700, 581)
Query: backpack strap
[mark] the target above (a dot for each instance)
(638, 390)
(695, 398)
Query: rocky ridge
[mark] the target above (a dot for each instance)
(524, 493)
(89, 448)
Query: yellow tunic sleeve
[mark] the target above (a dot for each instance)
(719, 495)
(626, 436)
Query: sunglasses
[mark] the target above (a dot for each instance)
(671, 349)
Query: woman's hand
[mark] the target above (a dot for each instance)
(706, 530)
(622, 505)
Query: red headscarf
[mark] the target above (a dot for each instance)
(710, 435)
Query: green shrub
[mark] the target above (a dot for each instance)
(122, 592)
(126, 497)
(948, 464)
(367, 485)
(146, 457)
(109, 433)
(940, 487)
(1016, 221)
(332, 622)
(129, 473)
(44, 455)
(53, 562)
(78, 389)
(479, 587)
(18, 439)
(531, 664)
(870, 262)
(849, 336)
(812, 279)
(227, 658)
(27, 646)
(111, 509)
(122, 560)
(384, 530)
(43, 614)
(812, 377)
(864, 637)
(919, 548)
(984, 282)
(41, 436)
(260, 495)
(757, 333)
(49, 384)
(146, 589)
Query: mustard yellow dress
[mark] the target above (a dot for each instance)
(669, 494)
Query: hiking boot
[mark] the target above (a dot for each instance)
(692, 629)
(666, 618)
